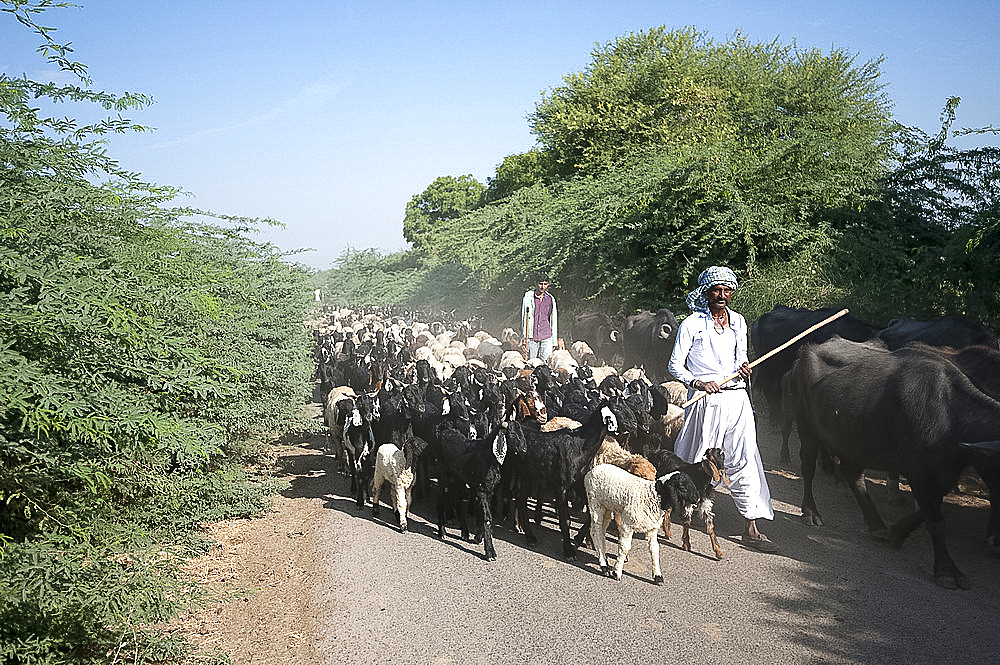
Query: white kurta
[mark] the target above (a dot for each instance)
(724, 420)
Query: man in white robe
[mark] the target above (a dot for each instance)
(711, 344)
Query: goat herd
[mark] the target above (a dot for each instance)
(410, 403)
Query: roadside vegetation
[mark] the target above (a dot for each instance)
(670, 152)
(147, 353)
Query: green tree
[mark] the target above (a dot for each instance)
(814, 114)
(446, 198)
(519, 171)
(648, 88)
(675, 151)
(928, 245)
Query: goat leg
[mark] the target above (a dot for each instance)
(710, 529)
(654, 553)
(376, 494)
(522, 517)
(584, 533)
(624, 547)
(569, 551)
(598, 534)
(484, 505)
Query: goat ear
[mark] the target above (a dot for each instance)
(500, 447)
(610, 422)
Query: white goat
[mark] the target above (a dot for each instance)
(512, 359)
(633, 373)
(676, 391)
(390, 466)
(562, 360)
(582, 353)
(423, 353)
(667, 427)
(642, 506)
(602, 372)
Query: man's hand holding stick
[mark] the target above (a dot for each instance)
(744, 371)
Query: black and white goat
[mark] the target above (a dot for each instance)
(706, 474)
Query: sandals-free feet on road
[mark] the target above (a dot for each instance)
(761, 543)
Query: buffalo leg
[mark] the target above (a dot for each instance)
(807, 454)
(892, 489)
(991, 477)
(901, 530)
(787, 420)
(855, 477)
(929, 487)
(946, 573)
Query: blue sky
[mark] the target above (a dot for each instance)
(329, 116)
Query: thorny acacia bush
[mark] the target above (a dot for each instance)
(143, 357)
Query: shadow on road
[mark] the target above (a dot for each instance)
(314, 475)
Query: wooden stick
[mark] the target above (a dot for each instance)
(770, 353)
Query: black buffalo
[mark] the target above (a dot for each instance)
(905, 411)
(647, 340)
(980, 363)
(782, 323)
(956, 331)
(600, 332)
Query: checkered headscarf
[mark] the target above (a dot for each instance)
(706, 280)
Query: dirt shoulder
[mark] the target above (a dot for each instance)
(264, 569)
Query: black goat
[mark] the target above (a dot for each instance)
(471, 468)
(553, 464)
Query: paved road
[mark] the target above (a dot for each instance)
(830, 596)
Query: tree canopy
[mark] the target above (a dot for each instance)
(810, 113)
(671, 151)
(447, 198)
